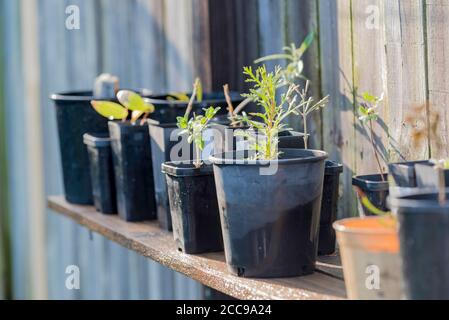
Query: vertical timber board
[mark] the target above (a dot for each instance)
(202, 42)
(148, 62)
(116, 39)
(5, 272)
(406, 74)
(54, 61)
(438, 64)
(178, 45)
(33, 132)
(300, 19)
(337, 76)
(369, 73)
(17, 153)
(234, 34)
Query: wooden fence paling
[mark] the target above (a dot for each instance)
(438, 77)
(337, 81)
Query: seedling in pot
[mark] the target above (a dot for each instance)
(195, 126)
(129, 100)
(368, 110)
(291, 72)
(306, 106)
(266, 84)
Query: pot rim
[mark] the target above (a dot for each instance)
(340, 227)
(88, 95)
(363, 182)
(235, 96)
(96, 141)
(184, 169)
(217, 160)
(404, 201)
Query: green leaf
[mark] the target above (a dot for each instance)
(306, 43)
(182, 122)
(363, 110)
(110, 110)
(132, 101)
(179, 96)
(368, 97)
(279, 56)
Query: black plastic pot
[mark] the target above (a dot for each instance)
(375, 189)
(162, 125)
(166, 110)
(329, 204)
(193, 207)
(270, 219)
(424, 244)
(131, 155)
(427, 176)
(75, 117)
(403, 173)
(101, 172)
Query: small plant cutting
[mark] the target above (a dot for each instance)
(191, 188)
(368, 110)
(194, 127)
(375, 186)
(129, 101)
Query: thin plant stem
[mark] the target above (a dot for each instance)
(375, 150)
(192, 99)
(306, 137)
(197, 162)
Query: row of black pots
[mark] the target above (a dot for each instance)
(133, 170)
(405, 177)
(423, 225)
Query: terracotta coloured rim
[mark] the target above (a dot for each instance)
(368, 226)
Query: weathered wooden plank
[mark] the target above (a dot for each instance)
(369, 62)
(234, 41)
(438, 64)
(406, 74)
(5, 271)
(148, 45)
(33, 131)
(149, 240)
(178, 45)
(337, 81)
(17, 154)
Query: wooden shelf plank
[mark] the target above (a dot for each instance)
(147, 239)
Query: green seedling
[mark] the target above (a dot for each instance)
(129, 100)
(194, 127)
(293, 56)
(263, 93)
(292, 72)
(307, 106)
(368, 111)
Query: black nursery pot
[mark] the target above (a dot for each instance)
(101, 172)
(329, 204)
(194, 208)
(131, 155)
(269, 218)
(75, 117)
(162, 125)
(375, 189)
(427, 176)
(403, 173)
(166, 110)
(424, 243)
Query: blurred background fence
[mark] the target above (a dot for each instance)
(392, 46)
